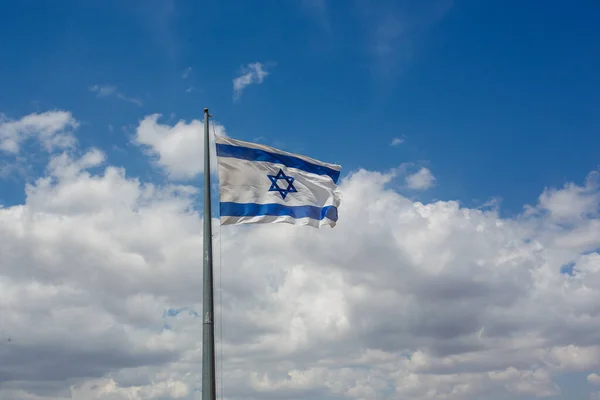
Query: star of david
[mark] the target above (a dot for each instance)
(275, 187)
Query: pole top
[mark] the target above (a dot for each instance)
(206, 110)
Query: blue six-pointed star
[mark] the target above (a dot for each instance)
(275, 187)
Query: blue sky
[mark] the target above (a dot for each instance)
(496, 99)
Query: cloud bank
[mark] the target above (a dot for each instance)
(101, 283)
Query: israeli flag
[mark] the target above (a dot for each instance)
(260, 184)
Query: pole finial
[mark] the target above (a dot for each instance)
(206, 110)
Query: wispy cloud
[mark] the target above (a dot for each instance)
(189, 90)
(397, 141)
(318, 12)
(160, 18)
(186, 72)
(104, 90)
(111, 90)
(394, 31)
(253, 73)
(421, 180)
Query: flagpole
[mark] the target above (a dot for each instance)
(208, 327)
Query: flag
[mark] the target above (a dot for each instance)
(261, 184)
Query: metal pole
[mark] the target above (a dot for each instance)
(208, 327)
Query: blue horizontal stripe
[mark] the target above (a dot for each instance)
(250, 154)
(230, 209)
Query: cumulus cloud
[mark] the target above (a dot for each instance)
(594, 379)
(178, 149)
(253, 73)
(420, 180)
(101, 284)
(111, 90)
(572, 201)
(53, 129)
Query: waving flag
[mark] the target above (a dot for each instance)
(261, 184)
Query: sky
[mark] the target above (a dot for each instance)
(465, 264)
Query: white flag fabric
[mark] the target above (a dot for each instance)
(261, 184)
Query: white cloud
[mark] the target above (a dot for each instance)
(179, 148)
(420, 180)
(253, 73)
(186, 73)
(455, 303)
(572, 201)
(52, 128)
(594, 379)
(397, 141)
(110, 90)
